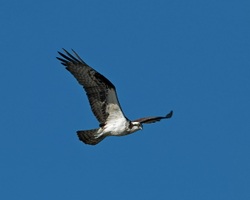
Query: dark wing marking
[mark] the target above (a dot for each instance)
(100, 91)
(148, 120)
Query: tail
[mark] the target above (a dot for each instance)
(90, 136)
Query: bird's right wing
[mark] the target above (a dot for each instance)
(148, 120)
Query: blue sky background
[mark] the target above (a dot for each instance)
(188, 56)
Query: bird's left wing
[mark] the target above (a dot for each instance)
(148, 120)
(100, 91)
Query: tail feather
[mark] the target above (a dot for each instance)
(90, 136)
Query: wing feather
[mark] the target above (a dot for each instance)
(148, 120)
(100, 91)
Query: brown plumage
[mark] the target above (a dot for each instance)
(148, 120)
(95, 84)
(104, 103)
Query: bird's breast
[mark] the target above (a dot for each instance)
(116, 127)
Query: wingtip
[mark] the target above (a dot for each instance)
(169, 115)
(60, 52)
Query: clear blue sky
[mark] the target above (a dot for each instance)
(188, 56)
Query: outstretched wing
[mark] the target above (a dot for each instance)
(148, 120)
(100, 91)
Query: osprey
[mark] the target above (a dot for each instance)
(104, 103)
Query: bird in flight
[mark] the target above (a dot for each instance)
(104, 103)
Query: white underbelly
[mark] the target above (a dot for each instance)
(116, 128)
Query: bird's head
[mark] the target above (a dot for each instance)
(135, 126)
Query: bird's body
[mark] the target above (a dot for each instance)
(103, 101)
